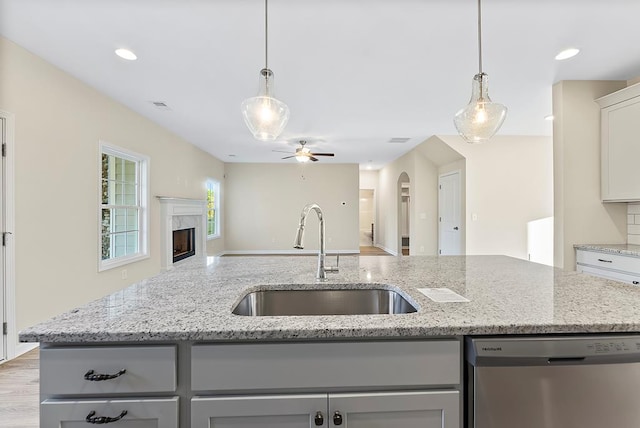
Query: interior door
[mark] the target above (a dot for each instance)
(422, 409)
(268, 411)
(3, 259)
(449, 233)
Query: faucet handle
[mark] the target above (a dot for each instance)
(333, 269)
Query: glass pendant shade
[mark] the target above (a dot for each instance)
(481, 118)
(265, 115)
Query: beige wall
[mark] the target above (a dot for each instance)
(509, 182)
(58, 123)
(263, 204)
(423, 179)
(580, 216)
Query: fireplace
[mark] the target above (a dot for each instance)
(184, 243)
(178, 216)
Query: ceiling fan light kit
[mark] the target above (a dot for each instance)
(265, 115)
(304, 154)
(481, 118)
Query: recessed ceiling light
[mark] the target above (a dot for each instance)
(126, 54)
(567, 53)
(548, 117)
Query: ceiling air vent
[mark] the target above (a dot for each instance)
(160, 105)
(398, 140)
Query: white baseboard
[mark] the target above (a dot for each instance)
(388, 250)
(286, 252)
(23, 348)
(19, 349)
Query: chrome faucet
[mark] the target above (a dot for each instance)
(322, 268)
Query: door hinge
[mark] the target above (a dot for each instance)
(4, 328)
(4, 150)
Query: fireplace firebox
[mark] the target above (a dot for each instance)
(184, 244)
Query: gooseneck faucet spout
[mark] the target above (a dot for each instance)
(322, 253)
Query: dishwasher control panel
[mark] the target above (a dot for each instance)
(552, 348)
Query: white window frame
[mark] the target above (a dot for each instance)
(142, 162)
(215, 184)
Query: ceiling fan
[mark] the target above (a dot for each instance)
(304, 154)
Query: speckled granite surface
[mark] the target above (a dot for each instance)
(623, 249)
(508, 296)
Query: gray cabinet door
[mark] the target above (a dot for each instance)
(274, 411)
(423, 409)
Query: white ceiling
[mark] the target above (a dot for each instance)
(354, 73)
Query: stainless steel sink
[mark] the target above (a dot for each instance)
(323, 302)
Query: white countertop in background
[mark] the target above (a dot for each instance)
(623, 249)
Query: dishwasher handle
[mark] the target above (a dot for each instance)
(565, 360)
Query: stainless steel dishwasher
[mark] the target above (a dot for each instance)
(553, 382)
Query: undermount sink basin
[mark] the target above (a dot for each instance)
(366, 301)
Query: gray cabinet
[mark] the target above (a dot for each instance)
(413, 409)
(396, 384)
(86, 385)
(620, 145)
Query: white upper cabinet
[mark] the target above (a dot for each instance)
(620, 145)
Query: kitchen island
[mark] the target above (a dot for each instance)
(206, 364)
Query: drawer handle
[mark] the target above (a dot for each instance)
(92, 419)
(337, 418)
(319, 419)
(605, 261)
(90, 375)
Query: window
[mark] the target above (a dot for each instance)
(213, 209)
(123, 206)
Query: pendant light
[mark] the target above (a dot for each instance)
(481, 118)
(265, 115)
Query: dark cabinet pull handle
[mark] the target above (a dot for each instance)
(92, 419)
(92, 376)
(337, 418)
(319, 419)
(605, 261)
(455, 228)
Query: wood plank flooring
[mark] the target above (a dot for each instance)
(19, 391)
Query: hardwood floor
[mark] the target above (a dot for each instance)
(19, 391)
(372, 251)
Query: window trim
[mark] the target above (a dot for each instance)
(216, 184)
(143, 245)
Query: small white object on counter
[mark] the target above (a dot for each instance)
(442, 295)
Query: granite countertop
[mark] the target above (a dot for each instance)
(507, 296)
(622, 249)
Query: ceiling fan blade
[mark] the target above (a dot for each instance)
(322, 154)
(281, 151)
(313, 159)
(289, 157)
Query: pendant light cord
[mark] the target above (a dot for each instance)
(266, 35)
(479, 37)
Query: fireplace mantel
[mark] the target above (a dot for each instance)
(175, 211)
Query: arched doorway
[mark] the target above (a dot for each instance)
(404, 214)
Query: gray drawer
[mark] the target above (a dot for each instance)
(148, 369)
(330, 365)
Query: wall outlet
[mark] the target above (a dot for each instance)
(124, 274)
(474, 217)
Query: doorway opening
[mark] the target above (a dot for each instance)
(404, 214)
